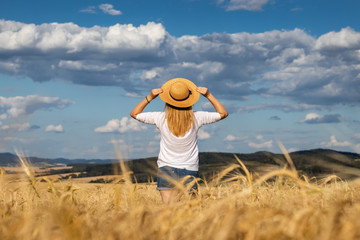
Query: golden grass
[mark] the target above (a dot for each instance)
(276, 205)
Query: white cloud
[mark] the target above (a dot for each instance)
(116, 141)
(260, 137)
(109, 9)
(314, 72)
(52, 128)
(246, 108)
(85, 66)
(334, 143)
(311, 116)
(105, 8)
(202, 134)
(124, 125)
(346, 39)
(15, 107)
(250, 5)
(20, 140)
(133, 95)
(267, 144)
(155, 72)
(314, 118)
(294, 149)
(232, 138)
(157, 137)
(19, 127)
(152, 147)
(90, 9)
(73, 38)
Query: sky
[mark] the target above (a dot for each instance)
(71, 72)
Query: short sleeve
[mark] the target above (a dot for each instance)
(207, 117)
(148, 117)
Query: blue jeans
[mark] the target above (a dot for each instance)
(176, 174)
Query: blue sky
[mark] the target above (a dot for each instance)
(71, 72)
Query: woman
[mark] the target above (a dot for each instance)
(178, 127)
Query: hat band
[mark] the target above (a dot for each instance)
(180, 100)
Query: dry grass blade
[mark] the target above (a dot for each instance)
(2, 175)
(287, 157)
(125, 172)
(331, 178)
(228, 210)
(27, 169)
(243, 167)
(223, 173)
(286, 173)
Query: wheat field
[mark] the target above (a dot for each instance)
(235, 204)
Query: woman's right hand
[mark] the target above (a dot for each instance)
(203, 91)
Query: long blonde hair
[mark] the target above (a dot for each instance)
(179, 120)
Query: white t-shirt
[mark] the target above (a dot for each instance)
(179, 152)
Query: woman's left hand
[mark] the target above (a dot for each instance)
(154, 93)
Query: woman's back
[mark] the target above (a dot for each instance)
(181, 152)
(178, 127)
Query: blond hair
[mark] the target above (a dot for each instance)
(179, 120)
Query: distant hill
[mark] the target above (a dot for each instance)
(314, 162)
(11, 160)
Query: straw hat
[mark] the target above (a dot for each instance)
(179, 92)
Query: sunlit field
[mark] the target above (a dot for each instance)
(235, 204)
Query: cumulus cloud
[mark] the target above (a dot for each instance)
(120, 126)
(202, 134)
(52, 38)
(285, 107)
(116, 142)
(105, 8)
(266, 144)
(261, 143)
(250, 5)
(314, 118)
(232, 138)
(90, 9)
(52, 128)
(133, 95)
(15, 107)
(334, 143)
(345, 39)
(18, 127)
(313, 72)
(109, 9)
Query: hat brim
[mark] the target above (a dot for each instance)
(191, 100)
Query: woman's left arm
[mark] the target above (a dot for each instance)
(140, 107)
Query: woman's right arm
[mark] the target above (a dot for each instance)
(140, 107)
(216, 104)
